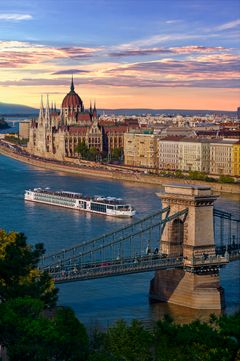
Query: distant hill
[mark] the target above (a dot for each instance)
(22, 110)
(7, 109)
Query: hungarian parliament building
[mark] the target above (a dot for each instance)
(56, 134)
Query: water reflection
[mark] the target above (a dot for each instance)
(180, 314)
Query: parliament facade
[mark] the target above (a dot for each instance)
(57, 134)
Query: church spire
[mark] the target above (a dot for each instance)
(41, 110)
(47, 115)
(94, 113)
(72, 85)
(90, 109)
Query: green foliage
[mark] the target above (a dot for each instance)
(196, 175)
(226, 179)
(15, 140)
(167, 341)
(230, 326)
(92, 154)
(117, 154)
(123, 342)
(210, 179)
(196, 341)
(178, 173)
(29, 334)
(87, 153)
(82, 149)
(19, 275)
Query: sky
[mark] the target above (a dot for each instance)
(159, 54)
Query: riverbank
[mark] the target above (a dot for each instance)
(114, 174)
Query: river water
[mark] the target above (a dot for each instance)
(97, 302)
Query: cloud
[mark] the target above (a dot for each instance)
(15, 17)
(131, 81)
(177, 50)
(16, 54)
(229, 25)
(197, 49)
(213, 64)
(70, 71)
(161, 38)
(139, 52)
(173, 21)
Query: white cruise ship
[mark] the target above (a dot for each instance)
(109, 206)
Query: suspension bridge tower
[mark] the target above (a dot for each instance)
(197, 284)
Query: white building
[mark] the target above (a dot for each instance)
(194, 155)
(168, 153)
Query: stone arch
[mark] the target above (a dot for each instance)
(176, 237)
(177, 231)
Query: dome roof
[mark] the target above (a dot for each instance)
(72, 99)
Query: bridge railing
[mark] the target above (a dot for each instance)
(118, 267)
(206, 261)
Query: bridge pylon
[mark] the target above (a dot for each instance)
(197, 284)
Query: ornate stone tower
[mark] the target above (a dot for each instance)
(192, 237)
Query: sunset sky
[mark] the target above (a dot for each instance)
(179, 54)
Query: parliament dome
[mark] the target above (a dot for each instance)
(72, 99)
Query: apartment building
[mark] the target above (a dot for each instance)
(217, 157)
(193, 155)
(140, 150)
(221, 157)
(168, 153)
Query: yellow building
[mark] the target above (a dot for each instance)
(140, 150)
(236, 159)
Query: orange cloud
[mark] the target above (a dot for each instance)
(20, 54)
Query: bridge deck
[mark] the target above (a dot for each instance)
(135, 248)
(149, 263)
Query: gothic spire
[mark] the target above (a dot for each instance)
(41, 110)
(47, 115)
(90, 109)
(72, 85)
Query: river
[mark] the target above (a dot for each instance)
(97, 302)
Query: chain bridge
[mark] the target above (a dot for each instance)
(158, 242)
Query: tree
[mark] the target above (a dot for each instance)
(92, 154)
(82, 149)
(196, 175)
(123, 342)
(29, 334)
(117, 153)
(178, 173)
(195, 341)
(226, 179)
(19, 272)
